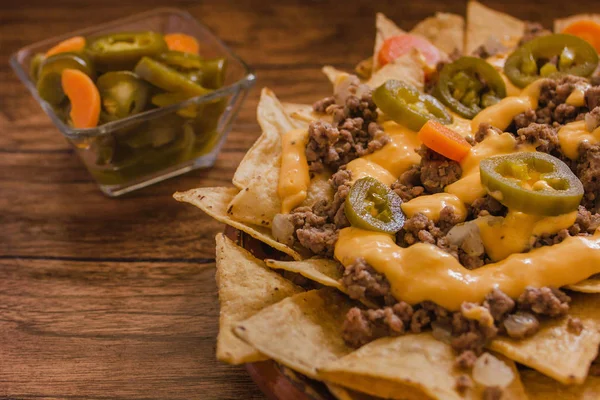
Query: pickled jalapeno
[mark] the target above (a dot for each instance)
(134, 72)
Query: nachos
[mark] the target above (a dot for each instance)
(435, 220)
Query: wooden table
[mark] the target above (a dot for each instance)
(115, 298)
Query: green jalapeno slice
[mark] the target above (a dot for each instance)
(49, 84)
(208, 73)
(468, 85)
(167, 78)
(406, 105)
(549, 55)
(373, 206)
(122, 51)
(34, 66)
(122, 94)
(532, 182)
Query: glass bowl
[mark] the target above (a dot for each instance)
(154, 145)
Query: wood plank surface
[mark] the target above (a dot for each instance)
(115, 298)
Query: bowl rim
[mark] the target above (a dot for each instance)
(245, 82)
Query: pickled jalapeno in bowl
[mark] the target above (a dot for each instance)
(141, 99)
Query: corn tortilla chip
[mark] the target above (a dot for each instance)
(540, 387)
(259, 201)
(246, 286)
(303, 114)
(561, 24)
(445, 31)
(556, 350)
(483, 23)
(407, 68)
(321, 270)
(264, 153)
(333, 74)
(406, 367)
(384, 29)
(302, 332)
(590, 285)
(214, 201)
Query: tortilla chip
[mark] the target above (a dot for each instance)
(364, 68)
(483, 23)
(384, 28)
(332, 73)
(259, 201)
(445, 31)
(555, 350)
(540, 387)
(321, 270)
(302, 332)
(590, 285)
(561, 24)
(407, 68)
(264, 153)
(214, 201)
(406, 367)
(303, 114)
(246, 286)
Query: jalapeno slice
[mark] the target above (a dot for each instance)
(552, 54)
(208, 73)
(49, 82)
(373, 206)
(34, 66)
(181, 61)
(121, 51)
(168, 99)
(468, 85)
(406, 105)
(122, 94)
(167, 78)
(532, 182)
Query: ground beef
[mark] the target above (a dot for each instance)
(331, 146)
(353, 133)
(320, 240)
(592, 119)
(363, 326)
(417, 229)
(437, 171)
(320, 106)
(544, 301)
(487, 205)
(588, 172)
(499, 304)
(341, 182)
(466, 360)
(408, 186)
(361, 280)
(492, 393)
(552, 108)
(532, 31)
(484, 130)
(463, 383)
(585, 224)
(575, 325)
(544, 137)
(592, 97)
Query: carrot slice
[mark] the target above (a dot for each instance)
(76, 43)
(444, 140)
(587, 30)
(397, 46)
(182, 42)
(84, 98)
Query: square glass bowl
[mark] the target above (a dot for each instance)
(154, 145)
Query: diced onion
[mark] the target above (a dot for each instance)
(490, 371)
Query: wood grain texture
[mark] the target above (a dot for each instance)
(115, 299)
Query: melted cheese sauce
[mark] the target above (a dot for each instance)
(388, 163)
(432, 206)
(577, 97)
(515, 233)
(424, 272)
(294, 177)
(572, 135)
(501, 114)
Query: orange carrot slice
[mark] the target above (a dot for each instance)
(76, 43)
(84, 98)
(182, 42)
(397, 46)
(444, 140)
(587, 30)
